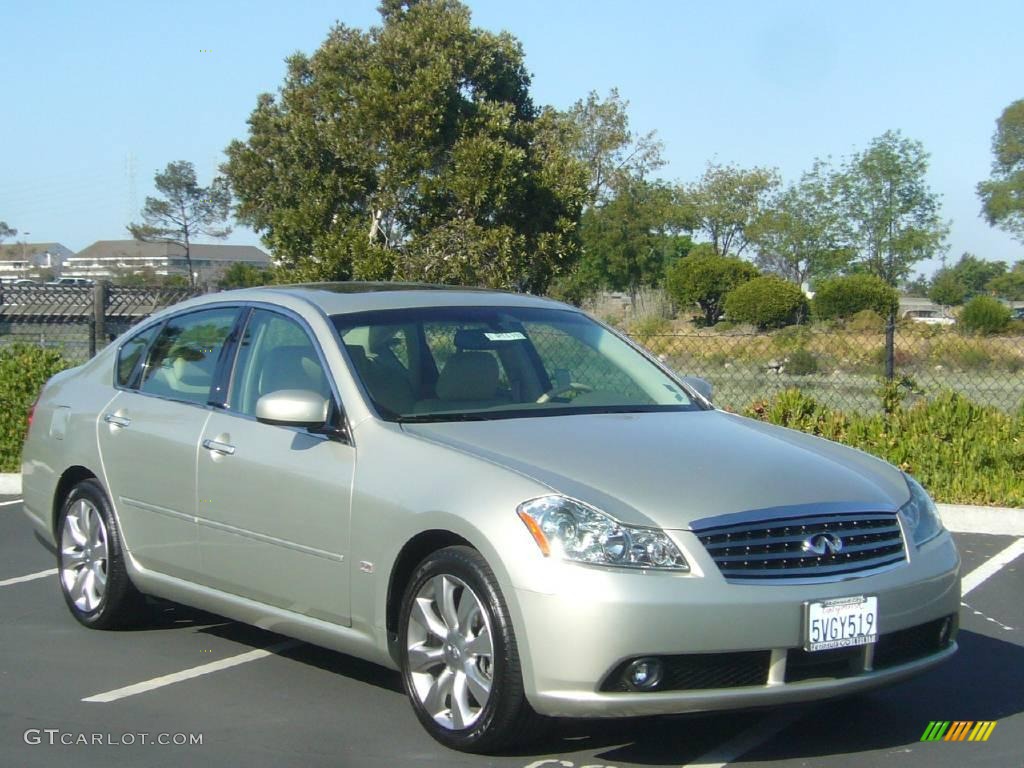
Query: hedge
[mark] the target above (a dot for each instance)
(23, 371)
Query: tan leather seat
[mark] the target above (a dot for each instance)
(468, 381)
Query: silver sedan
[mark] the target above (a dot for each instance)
(497, 495)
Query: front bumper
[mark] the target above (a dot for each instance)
(572, 638)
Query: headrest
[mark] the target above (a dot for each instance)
(469, 376)
(290, 368)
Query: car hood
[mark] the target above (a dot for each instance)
(672, 469)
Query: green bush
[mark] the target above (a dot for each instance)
(23, 371)
(802, 363)
(766, 302)
(963, 453)
(985, 315)
(848, 295)
(867, 321)
(704, 279)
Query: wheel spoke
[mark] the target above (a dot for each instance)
(469, 608)
(422, 658)
(462, 713)
(82, 513)
(444, 590)
(423, 614)
(73, 526)
(481, 644)
(478, 684)
(72, 556)
(78, 586)
(89, 593)
(435, 700)
(99, 570)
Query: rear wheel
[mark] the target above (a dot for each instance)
(460, 662)
(90, 561)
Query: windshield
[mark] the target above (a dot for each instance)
(471, 363)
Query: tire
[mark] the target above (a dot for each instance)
(90, 562)
(445, 672)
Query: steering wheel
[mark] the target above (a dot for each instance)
(564, 389)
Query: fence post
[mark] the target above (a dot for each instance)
(97, 328)
(890, 347)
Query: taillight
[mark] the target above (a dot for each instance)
(32, 412)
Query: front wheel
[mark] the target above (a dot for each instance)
(90, 561)
(460, 663)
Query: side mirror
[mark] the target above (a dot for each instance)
(292, 407)
(703, 386)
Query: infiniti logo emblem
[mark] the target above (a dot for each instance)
(823, 544)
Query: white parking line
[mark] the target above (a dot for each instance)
(188, 674)
(9, 503)
(745, 741)
(991, 567)
(30, 577)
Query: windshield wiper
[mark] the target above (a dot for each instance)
(426, 418)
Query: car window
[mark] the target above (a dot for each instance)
(183, 359)
(275, 353)
(131, 352)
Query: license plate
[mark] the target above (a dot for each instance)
(841, 623)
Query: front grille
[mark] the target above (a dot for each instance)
(783, 548)
(701, 671)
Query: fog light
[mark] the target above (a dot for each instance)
(644, 674)
(945, 631)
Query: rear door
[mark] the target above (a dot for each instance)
(274, 500)
(149, 435)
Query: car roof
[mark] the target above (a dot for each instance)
(346, 297)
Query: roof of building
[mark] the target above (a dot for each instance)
(18, 251)
(110, 249)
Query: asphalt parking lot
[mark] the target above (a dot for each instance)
(299, 705)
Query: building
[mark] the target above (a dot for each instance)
(32, 260)
(111, 259)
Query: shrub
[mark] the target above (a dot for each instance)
(985, 315)
(867, 321)
(23, 371)
(802, 363)
(766, 302)
(846, 296)
(704, 279)
(963, 453)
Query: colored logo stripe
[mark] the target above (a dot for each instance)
(958, 730)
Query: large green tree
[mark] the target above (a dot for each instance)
(6, 231)
(186, 211)
(412, 150)
(1002, 196)
(892, 213)
(975, 274)
(802, 234)
(704, 278)
(1009, 285)
(727, 200)
(628, 240)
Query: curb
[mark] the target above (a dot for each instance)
(10, 484)
(960, 518)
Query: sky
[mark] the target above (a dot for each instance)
(99, 96)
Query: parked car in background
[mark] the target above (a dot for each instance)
(1018, 313)
(929, 317)
(79, 281)
(504, 499)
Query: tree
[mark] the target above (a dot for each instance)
(975, 274)
(599, 137)
(412, 150)
(947, 288)
(727, 200)
(1009, 285)
(917, 287)
(6, 231)
(892, 213)
(802, 234)
(242, 275)
(187, 211)
(985, 315)
(704, 278)
(628, 240)
(1002, 196)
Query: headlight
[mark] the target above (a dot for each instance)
(574, 531)
(920, 515)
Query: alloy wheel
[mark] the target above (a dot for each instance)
(85, 555)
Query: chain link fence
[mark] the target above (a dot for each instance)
(77, 320)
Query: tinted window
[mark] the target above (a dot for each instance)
(184, 356)
(130, 353)
(275, 353)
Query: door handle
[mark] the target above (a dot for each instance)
(225, 449)
(117, 421)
